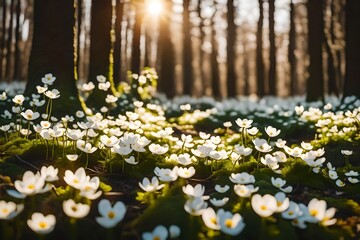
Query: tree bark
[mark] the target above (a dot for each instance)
(272, 40)
(291, 51)
(315, 82)
(117, 46)
(215, 78)
(3, 38)
(18, 53)
(231, 50)
(201, 52)
(259, 53)
(166, 83)
(187, 50)
(135, 54)
(9, 46)
(53, 52)
(352, 50)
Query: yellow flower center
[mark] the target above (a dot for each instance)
(31, 186)
(75, 181)
(74, 208)
(29, 116)
(313, 212)
(228, 223)
(213, 220)
(5, 210)
(111, 214)
(278, 203)
(290, 213)
(263, 207)
(42, 225)
(156, 238)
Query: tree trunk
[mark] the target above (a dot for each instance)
(272, 39)
(53, 52)
(79, 10)
(315, 82)
(259, 53)
(352, 50)
(18, 53)
(100, 46)
(117, 46)
(166, 82)
(9, 46)
(246, 67)
(215, 78)
(291, 51)
(231, 50)
(135, 54)
(187, 51)
(3, 38)
(201, 52)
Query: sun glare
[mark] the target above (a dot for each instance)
(154, 7)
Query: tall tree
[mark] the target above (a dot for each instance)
(3, 36)
(272, 40)
(136, 53)
(201, 52)
(215, 77)
(18, 54)
(119, 9)
(231, 50)
(187, 50)
(166, 82)
(352, 50)
(53, 52)
(100, 46)
(246, 56)
(259, 53)
(291, 50)
(315, 81)
(9, 44)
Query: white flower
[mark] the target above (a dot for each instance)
(219, 202)
(227, 124)
(104, 86)
(101, 78)
(243, 123)
(204, 136)
(109, 141)
(245, 191)
(186, 172)
(87, 86)
(110, 215)
(280, 156)
(9, 210)
(353, 180)
(42, 224)
(280, 143)
(50, 174)
(75, 210)
(131, 160)
(195, 206)
(3, 96)
(265, 205)
(122, 149)
(158, 149)
(166, 174)
(110, 98)
(278, 182)
(85, 146)
(148, 186)
(184, 159)
(72, 157)
(351, 174)
(282, 202)
(346, 152)
(262, 145)
(41, 89)
(340, 183)
(49, 79)
(271, 131)
(89, 188)
(195, 192)
(18, 99)
(317, 209)
(242, 178)
(333, 174)
(31, 184)
(231, 224)
(292, 212)
(174, 231)
(252, 131)
(53, 94)
(270, 161)
(211, 219)
(221, 189)
(77, 179)
(30, 115)
(306, 146)
(295, 152)
(159, 233)
(241, 150)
